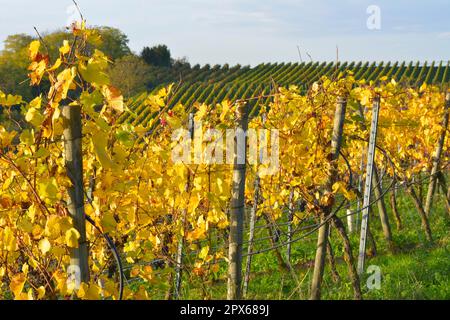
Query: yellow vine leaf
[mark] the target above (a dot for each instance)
(27, 137)
(9, 100)
(201, 113)
(9, 240)
(65, 48)
(108, 222)
(33, 49)
(37, 71)
(17, 284)
(72, 236)
(63, 85)
(6, 137)
(204, 253)
(40, 292)
(94, 71)
(113, 98)
(100, 143)
(88, 292)
(44, 246)
(48, 189)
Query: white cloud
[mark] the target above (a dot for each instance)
(444, 35)
(230, 17)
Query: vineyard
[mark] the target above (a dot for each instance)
(212, 85)
(331, 173)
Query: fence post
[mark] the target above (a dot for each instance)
(252, 222)
(322, 239)
(378, 192)
(237, 206)
(180, 248)
(350, 221)
(368, 184)
(443, 183)
(382, 212)
(437, 157)
(74, 165)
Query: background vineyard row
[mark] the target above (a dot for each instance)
(211, 85)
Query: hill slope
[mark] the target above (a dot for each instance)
(212, 85)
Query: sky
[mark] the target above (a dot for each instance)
(250, 32)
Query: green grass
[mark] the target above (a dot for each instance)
(416, 270)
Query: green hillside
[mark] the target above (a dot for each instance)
(212, 85)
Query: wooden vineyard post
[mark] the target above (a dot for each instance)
(252, 227)
(322, 239)
(393, 200)
(368, 184)
(443, 183)
(437, 158)
(79, 266)
(382, 211)
(237, 206)
(350, 221)
(180, 247)
(420, 209)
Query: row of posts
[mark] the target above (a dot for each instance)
(79, 256)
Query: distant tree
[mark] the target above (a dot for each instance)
(114, 42)
(157, 56)
(131, 75)
(111, 41)
(14, 57)
(180, 63)
(16, 42)
(13, 66)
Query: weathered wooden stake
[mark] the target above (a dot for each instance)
(382, 212)
(423, 216)
(237, 206)
(331, 260)
(322, 239)
(437, 158)
(181, 240)
(445, 191)
(398, 219)
(252, 223)
(79, 266)
(350, 221)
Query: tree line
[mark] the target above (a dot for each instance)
(131, 72)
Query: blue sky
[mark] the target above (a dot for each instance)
(255, 31)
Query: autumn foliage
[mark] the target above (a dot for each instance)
(143, 200)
